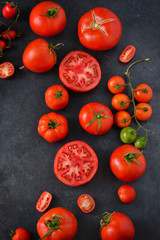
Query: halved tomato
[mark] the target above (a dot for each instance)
(75, 163)
(6, 70)
(80, 71)
(86, 203)
(127, 54)
(44, 201)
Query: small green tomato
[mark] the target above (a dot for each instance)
(128, 135)
(141, 142)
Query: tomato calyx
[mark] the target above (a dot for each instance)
(52, 12)
(145, 109)
(118, 86)
(145, 90)
(129, 157)
(58, 94)
(12, 233)
(13, 5)
(53, 47)
(106, 218)
(53, 124)
(122, 104)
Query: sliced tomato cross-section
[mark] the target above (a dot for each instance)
(75, 163)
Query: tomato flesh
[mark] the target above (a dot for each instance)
(75, 163)
(127, 54)
(6, 70)
(86, 203)
(44, 201)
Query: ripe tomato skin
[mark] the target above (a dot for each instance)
(2, 44)
(6, 70)
(86, 203)
(44, 201)
(53, 127)
(20, 234)
(38, 57)
(106, 36)
(12, 34)
(143, 95)
(145, 111)
(56, 97)
(120, 227)
(67, 228)
(9, 10)
(124, 171)
(127, 54)
(87, 114)
(114, 84)
(122, 119)
(126, 193)
(120, 102)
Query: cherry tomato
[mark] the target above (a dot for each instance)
(128, 135)
(12, 34)
(39, 56)
(86, 203)
(75, 163)
(99, 29)
(143, 111)
(57, 224)
(6, 70)
(96, 118)
(53, 127)
(120, 102)
(127, 54)
(2, 44)
(122, 119)
(20, 234)
(116, 226)
(47, 19)
(56, 97)
(127, 163)
(116, 84)
(9, 10)
(143, 93)
(44, 201)
(141, 142)
(80, 71)
(126, 193)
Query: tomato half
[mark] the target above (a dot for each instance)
(11, 33)
(120, 102)
(122, 119)
(6, 70)
(127, 54)
(127, 163)
(116, 84)
(143, 93)
(80, 71)
(86, 203)
(9, 10)
(44, 201)
(75, 163)
(47, 19)
(59, 223)
(20, 234)
(96, 118)
(126, 193)
(99, 29)
(143, 111)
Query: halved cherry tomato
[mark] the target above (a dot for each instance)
(143, 111)
(127, 54)
(122, 119)
(2, 44)
(44, 201)
(20, 234)
(6, 70)
(143, 93)
(75, 163)
(116, 84)
(12, 34)
(120, 101)
(86, 203)
(80, 71)
(9, 10)
(126, 193)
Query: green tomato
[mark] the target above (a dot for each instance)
(141, 142)
(128, 135)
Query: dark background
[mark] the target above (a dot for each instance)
(26, 159)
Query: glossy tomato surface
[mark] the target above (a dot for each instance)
(120, 102)
(11, 33)
(116, 84)
(122, 119)
(44, 201)
(143, 93)
(99, 29)
(75, 163)
(126, 193)
(86, 203)
(80, 71)
(9, 10)
(143, 111)
(20, 234)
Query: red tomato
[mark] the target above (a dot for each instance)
(9, 10)
(56, 97)
(126, 193)
(127, 54)
(39, 56)
(75, 163)
(143, 93)
(53, 127)
(116, 226)
(12, 34)
(116, 84)
(99, 29)
(120, 101)
(80, 71)
(86, 203)
(47, 19)
(96, 118)
(44, 201)
(58, 223)
(143, 111)
(6, 70)
(2, 44)
(20, 234)
(127, 163)
(122, 119)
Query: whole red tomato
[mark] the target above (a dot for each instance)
(143, 111)
(53, 127)
(9, 10)
(20, 234)
(57, 224)
(116, 84)
(99, 29)
(126, 193)
(122, 119)
(47, 19)
(116, 226)
(143, 93)
(11, 33)
(2, 44)
(127, 163)
(96, 118)
(120, 102)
